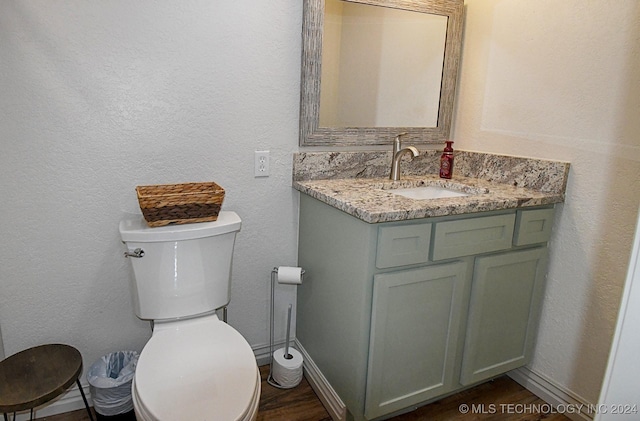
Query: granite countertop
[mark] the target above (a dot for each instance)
(500, 182)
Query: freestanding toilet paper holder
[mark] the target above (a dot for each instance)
(270, 379)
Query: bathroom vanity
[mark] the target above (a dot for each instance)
(406, 301)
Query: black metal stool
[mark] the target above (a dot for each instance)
(37, 375)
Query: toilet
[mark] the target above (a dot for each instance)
(195, 366)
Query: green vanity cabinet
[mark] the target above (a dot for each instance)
(395, 314)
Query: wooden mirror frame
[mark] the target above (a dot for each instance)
(312, 30)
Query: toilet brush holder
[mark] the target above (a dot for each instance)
(285, 369)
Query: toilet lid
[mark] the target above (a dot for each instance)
(195, 370)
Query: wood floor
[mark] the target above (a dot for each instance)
(500, 399)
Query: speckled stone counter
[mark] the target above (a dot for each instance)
(357, 183)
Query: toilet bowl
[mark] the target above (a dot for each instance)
(195, 366)
(196, 369)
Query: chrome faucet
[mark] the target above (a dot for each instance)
(398, 152)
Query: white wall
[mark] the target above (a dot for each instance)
(97, 97)
(561, 80)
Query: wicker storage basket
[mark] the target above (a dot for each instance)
(180, 203)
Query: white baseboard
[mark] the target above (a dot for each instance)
(262, 354)
(329, 398)
(562, 400)
(69, 401)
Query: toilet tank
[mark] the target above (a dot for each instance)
(185, 270)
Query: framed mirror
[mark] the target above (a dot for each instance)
(374, 68)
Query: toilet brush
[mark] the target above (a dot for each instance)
(286, 343)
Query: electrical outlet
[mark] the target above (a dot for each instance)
(261, 164)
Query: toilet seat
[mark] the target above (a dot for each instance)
(200, 369)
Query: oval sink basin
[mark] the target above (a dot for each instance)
(428, 192)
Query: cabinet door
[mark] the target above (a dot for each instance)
(415, 330)
(504, 309)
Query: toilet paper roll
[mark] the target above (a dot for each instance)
(287, 372)
(289, 275)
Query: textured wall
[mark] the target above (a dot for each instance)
(97, 97)
(561, 80)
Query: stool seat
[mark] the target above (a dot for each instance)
(37, 375)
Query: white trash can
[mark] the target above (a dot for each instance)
(110, 381)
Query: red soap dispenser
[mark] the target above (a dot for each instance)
(446, 161)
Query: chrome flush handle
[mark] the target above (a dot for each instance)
(138, 253)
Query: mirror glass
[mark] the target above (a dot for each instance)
(381, 67)
(374, 68)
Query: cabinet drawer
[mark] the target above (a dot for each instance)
(401, 245)
(473, 236)
(533, 226)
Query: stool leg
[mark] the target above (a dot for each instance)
(84, 398)
(6, 417)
